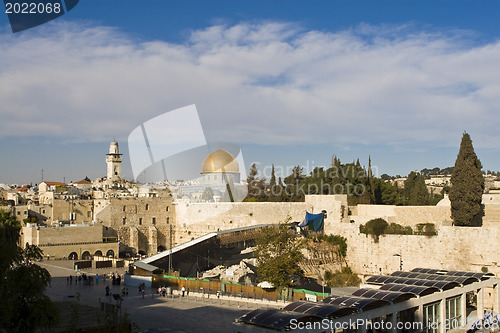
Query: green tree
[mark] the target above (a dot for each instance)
(416, 193)
(256, 185)
(467, 186)
(278, 254)
(24, 306)
(274, 188)
(338, 182)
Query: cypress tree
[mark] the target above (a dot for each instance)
(467, 186)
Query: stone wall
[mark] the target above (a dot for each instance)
(404, 215)
(143, 224)
(68, 234)
(81, 210)
(454, 248)
(60, 242)
(196, 219)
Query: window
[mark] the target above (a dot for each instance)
(453, 313)
(167, 209)
(43, 211)
(154, 220)
(168, 220)
(432, 321)
(140, 220)
(124, 207)
(124, 220)
(147, 206)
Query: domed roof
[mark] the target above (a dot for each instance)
(220, 161)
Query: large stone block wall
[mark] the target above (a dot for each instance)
(454, 248)
(196, 219)
(66, 235)
(491, 215)
(82, 210)
(404, 215)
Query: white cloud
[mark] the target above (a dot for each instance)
(267, 83)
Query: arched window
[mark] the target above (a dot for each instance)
(147, 206)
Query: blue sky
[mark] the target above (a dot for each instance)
(291, 82)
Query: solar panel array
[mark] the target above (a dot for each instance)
(416, 290)
(463, 280)
(356, 302)
(391, 296)
(480, 276)
(383, 279)
(274, 318)
(322, 310)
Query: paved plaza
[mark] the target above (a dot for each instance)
(151, 313)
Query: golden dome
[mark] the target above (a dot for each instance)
(220, 161)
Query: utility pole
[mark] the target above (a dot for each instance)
(170, 253)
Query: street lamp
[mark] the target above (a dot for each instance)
(400, 260)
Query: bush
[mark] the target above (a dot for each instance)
(375, 227)
(426, 229)
(398, 229)
(341, 278)
(339, 241)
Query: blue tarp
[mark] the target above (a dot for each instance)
(313, 221)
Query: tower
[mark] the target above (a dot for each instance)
(114, 161)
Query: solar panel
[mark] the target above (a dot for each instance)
(463, 280)
(322, 310)
(383, 279)
(358, 303)
(416, 290)
(391, 296)
(275, 319)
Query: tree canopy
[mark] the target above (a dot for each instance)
(467, 188)
(278, 254)
(24, 306)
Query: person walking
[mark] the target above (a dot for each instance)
(183, 290)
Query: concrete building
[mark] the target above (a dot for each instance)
(424, 300)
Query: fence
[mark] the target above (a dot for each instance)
(104, 264)
(83, 264)
(206, 286)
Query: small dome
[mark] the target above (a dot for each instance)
(220, 161)
(113, 147)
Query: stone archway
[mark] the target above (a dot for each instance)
(110, 253)
(142, 252)
(86, 256)
(73, 256)
(98, 253)
(161, 248)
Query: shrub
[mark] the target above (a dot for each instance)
(398, 229)
(375, 228)
(341, 278)
(426, 229)
(339, 241)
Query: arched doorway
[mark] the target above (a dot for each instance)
(98, 253)
(86, 255)
(73, 256)
(161, 248)
(110, 253)
(142, 253)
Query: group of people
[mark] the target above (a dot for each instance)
(83, 279)
(116, 279)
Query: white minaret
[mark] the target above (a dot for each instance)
(114, 161)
